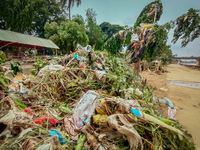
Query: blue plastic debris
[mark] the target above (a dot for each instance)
(55, 132)
(169, 102)
(164, 101)
(84, 120)
(76, 56)
(136, 112)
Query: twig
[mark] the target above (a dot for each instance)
(70, 62)
(73, 74)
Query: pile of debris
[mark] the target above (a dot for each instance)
(87, 100)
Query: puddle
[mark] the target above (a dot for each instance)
(195, 85)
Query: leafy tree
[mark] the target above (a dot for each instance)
(143, 18)
(18, 15)
(50, 11)
(113, 44)
(105, 26)
(109, 29)
(29, 15)
(187, 27)
(79, 19)
(157, 47)
(95, 35)
(70, 4)
(66, 35)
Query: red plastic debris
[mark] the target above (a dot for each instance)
(28, 110)
(62, 63)
(41, 119)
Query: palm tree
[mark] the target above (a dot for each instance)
(70, 4)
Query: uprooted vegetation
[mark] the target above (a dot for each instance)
(91, 101)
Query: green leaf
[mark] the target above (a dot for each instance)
(43, 131)
(72, 83)
(57, 106)
(65, 109)
(19, 104)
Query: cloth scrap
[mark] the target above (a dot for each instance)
(55, 132)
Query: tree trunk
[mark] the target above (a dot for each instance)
(137, 67)
(69, 13)
(19, 52)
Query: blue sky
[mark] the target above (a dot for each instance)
(125, 12)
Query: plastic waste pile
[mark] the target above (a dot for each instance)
(88, 100)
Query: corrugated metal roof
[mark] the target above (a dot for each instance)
(23, 40)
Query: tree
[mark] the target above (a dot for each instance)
(95, 35)
(70, 4)
(109, 29)
(144, 18)
(50, 11)
(157, 47)
(29, 16)
(18, 15)
(187, 27)
(66, 35)
(78, 18)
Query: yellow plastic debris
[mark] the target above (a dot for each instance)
(99, 107)
(100, 120)
(99, 111)
(146, 26)
(102, 101)
(136, 119)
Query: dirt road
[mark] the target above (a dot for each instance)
(187, 99)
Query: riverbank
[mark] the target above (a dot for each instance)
(186, 99)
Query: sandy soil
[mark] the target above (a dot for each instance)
(187, 99)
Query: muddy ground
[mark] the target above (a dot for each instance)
(186, 99)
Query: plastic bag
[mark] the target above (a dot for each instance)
(88, 48)
(15, 116)
(85, 108)
(125, 128)
(98, 65)
(45, 147)
(50, 68)
(100, 74)
(122, 34)
(171, 112)
(70, 127)
(100, 120)
(134, 37)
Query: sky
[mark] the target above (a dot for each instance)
(125, 12)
